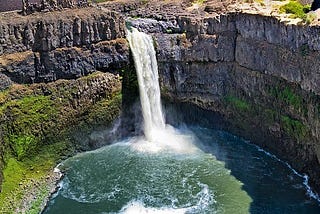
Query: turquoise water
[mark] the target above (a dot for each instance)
(212, 172)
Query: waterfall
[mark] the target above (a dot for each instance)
(163, 137)
(146, 66)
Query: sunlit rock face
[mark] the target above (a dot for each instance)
(61, 45)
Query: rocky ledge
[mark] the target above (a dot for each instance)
(60, 45)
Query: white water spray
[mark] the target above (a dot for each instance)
(162, 136)
(147, 71)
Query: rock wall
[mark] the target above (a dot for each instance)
(260, 74)
(49, 83)
(67, 28)
(61, 45)
(287, 51)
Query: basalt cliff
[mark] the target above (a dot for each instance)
(258, 74)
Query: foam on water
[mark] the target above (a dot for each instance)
(168, 139)
(309, 191)
(83, 197)
(134, 207)
(205, 199)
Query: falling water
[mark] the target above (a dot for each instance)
(147, 71)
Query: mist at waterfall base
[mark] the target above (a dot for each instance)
(181, 169)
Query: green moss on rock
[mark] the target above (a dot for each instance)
(36, 122)
(246, 113)
(294, 128)
(30, 119)
(237, 103)
(25, 185)
(288, 96)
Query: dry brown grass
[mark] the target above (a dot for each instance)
(8, 59)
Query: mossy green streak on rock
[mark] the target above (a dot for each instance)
(37, 123)
(30, 177)
(294, 127)
(271, 115)
(31, 118)
(130, 87)
(37, 203)
(102, 111)
(288, 96)
(237, 103)
(246, 114)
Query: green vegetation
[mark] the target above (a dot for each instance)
(198, 2)
(169, 31)
(237, 103)
(130, 87)
(36, 123)
(261, 2)
(105, 110)
(288, 96)
(294, 128)
(246, 114)
(270, 116)
(296, 9)
(29, 175)
(165, 91)
(31, 116)
(36, 205)
(310, 18)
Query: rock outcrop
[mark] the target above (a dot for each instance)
(62, 45)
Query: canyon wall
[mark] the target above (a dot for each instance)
(61, 45)
(259, 74)
(50, 89)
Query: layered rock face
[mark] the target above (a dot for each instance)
(43, 60)
(61, 45)
(259, 74)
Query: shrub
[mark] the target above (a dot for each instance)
(296, 9)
